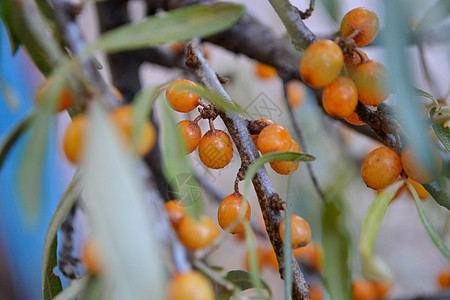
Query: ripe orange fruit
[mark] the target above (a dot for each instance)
(215, 149)
(191, 134)
(265, 71)
(421, 191)
(92, 256)
(65, 99)
(315, 292)
(122, 117)
(371, 79)
(311, 254)
(444, 279)
(296, 93)
(197, 234)
(284, 167)
(75, 138)
(179, 99)
(363, 290)
(381, 288)
(270, 258)
(417, 169)
(230, 210)
(353, 119)
(363, 20)
(381, 168)
(300, 231)
(321, 63)
(259, 259)
(274, 138)
(190, 285)
(175, 211)
(340, 97)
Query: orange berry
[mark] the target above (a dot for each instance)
(353, 59)
(300, 231)
(316, 292)
(397, 194)
(122, 117)
(215, 149)
(311, 254)
(240, 236)
(444, 279)
(340, 97)
(371, 79)
(363, 290)
(296, 93)
(265, 71)
(417, 170)
(270, 258)
(363, 20)
(353, 119)
(259, 259)
(74, 139)
(230, 210)
(65, 99)
(177, 47)
(274, 138)
(421, 191)
(381, 168)
(190, 285)
(92, 256)
(191, 134)
(116, 93)
(179, 99)
(381, 288)
(197, 234)
(321, 63)
(175, 211)
(284, 167)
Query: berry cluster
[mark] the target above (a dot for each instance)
(369, 290)
(345, 72)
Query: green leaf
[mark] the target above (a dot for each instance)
(243, 280)
(428, 226)
(421, 93)
(6, 15)
(443, 133)
(177, 169)
(437, 13)
(177, 25)
(438, 193)
(336, 242)
(74, 289)
(51, 285)
(12, 136)
(374, 267)
(117, 205)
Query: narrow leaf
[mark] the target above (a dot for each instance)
(11, 137)
(438, 193)
(8, 93)
(421, 93)
(75, 289)
(183, 183)
(243, 280)
(51, 284)
(374, 267)
(428, 226)
(443, 133)
(177, 25)
(336, 243)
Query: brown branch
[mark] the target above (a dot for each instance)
(237, 128)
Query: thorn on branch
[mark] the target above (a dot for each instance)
(191, 57)
(308, 12)
(276, 202)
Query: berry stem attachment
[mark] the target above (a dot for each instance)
(211, 124)
(361, 54)
(197, 119)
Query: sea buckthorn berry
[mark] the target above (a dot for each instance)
(92, 256)
(230, 210)
(284, 167)
(381, 288)
(353, 119)
(353, 59)
(190, 285)
(296, 93)
(421, 191)
(274, 138)
(321, 63)
(74, 139)
(265, 71)
(340, 97)
(444, 279)
(316, 292)
(197, 234)
(363, 20)
(175, 211)
(363, 290)
(123, 119)
(300, 231)
(381, 168)
(179, 99)
(191, 134)
(417, 169)
(270, 258)
(311, 254)
(65, 99)
(215, 149)
(259, 259)
(371, 79)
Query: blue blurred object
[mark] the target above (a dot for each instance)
(22, 241)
